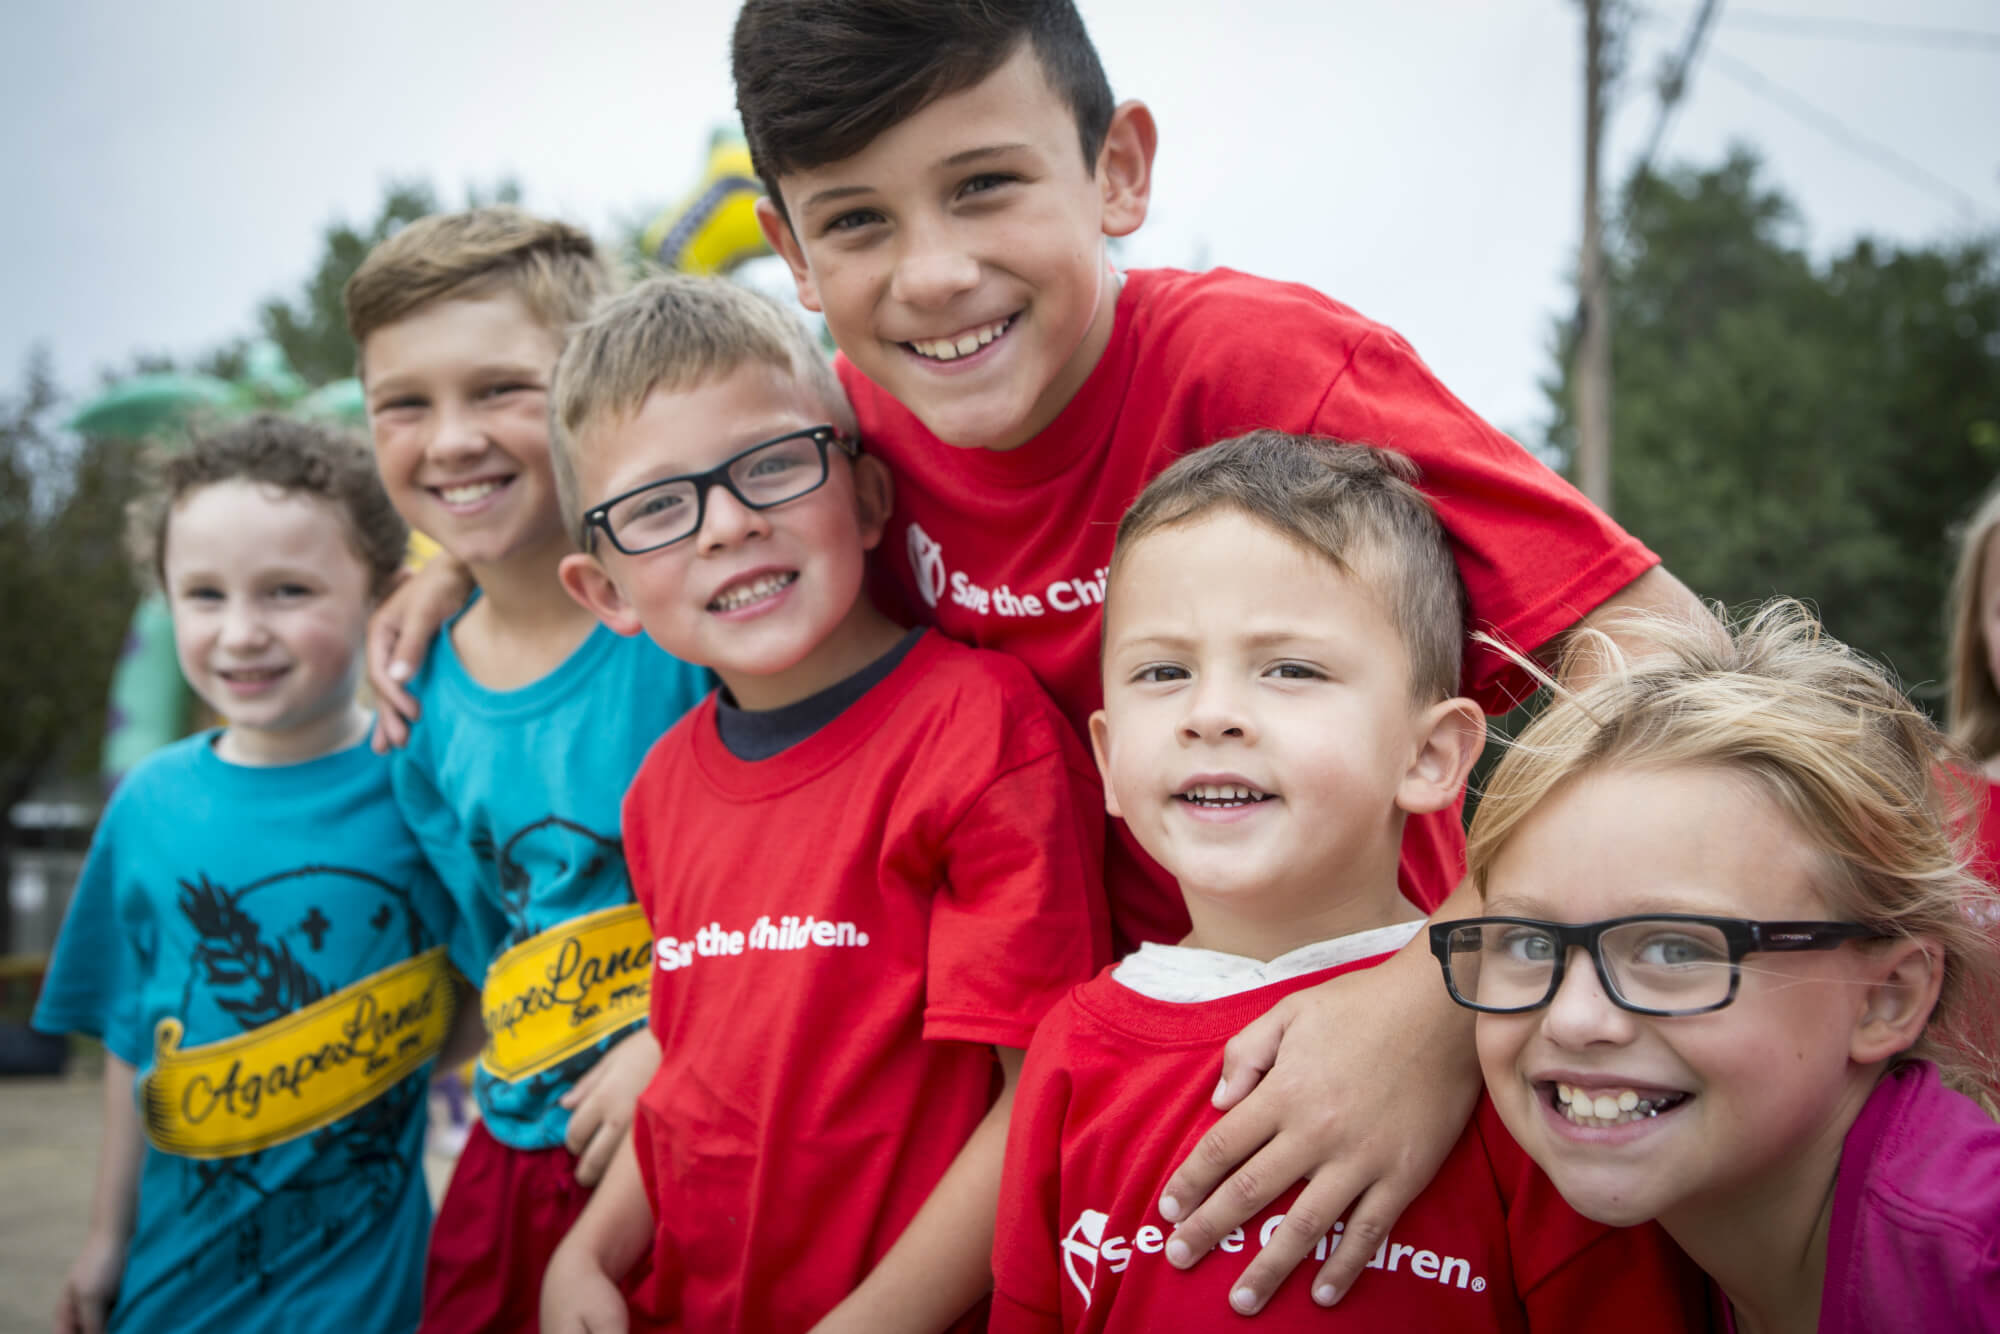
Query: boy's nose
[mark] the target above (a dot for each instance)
(725, 520)
(1580, 1013)
(242, 626)
(458, 435)
(1214, 713)
(932, 270)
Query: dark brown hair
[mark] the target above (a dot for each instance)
(1352, 506)
(298, 458)
(819, 80)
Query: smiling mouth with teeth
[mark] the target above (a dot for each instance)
(1221, 796)
(742, 595)
(469, 492)
(967, 343)
(1598, 1111)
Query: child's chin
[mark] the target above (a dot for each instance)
(1603, 1201)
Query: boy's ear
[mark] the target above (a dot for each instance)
(1902, 989)
(874, 496)
(1100, 746)
(585, 580)
(1450, 735)
(785, 242)
(1125, 168)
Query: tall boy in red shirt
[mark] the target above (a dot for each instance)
(1282, 635)
(869, 861)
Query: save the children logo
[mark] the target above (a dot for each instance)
(1082, 1244)
(788, 932)
(934, 581)
(1086, 1249)
(927, 564)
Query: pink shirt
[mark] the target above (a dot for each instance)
(1915, 1240)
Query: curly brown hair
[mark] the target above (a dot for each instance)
(296, 457)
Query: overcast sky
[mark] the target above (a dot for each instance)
(169, 166)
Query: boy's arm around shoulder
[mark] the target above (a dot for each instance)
(1537, 557)
(399, 636)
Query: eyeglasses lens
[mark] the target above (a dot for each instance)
(771, 474)
(1653, 964)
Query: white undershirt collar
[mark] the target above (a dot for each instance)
(1188, 976)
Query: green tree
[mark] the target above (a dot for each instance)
(311, 327)
(1786, 427)
(65, 582)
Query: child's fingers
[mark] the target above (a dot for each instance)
(583, 1087)
(1367, 1226)
(1249, 1056)
(596, 1157)
(1309, 1218)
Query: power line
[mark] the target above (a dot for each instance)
(1881, 154)
(1864, 30)
(1674, 78)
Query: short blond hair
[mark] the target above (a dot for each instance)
(552, 267)
(1353, 506)
(673, 332)
(1862, 774)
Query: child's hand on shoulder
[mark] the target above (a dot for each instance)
(601, 1104)
(91, 1285)
(578, 1297)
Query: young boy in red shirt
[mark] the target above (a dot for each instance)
(1282, 635)
(870, 861)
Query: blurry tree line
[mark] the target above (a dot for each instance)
(66, 585)
(1781, 425)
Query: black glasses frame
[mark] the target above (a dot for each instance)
(1742, 935)
(597, 518)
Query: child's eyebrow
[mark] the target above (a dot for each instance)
(833, 194)
(959, 159)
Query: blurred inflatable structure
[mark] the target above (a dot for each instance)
(713, 228)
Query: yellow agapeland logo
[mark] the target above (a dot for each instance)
(297, 1074)
(556, 994)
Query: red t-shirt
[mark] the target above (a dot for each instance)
(1009, 550)
(1112, 1098)
(1986, 846)
(840, 931)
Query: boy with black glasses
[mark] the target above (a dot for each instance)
(870, 861)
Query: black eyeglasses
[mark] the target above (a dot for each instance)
(670, 510)
(1669, 964)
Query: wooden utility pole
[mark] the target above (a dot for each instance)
(1592, 374)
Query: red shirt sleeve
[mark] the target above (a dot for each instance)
(1021, 917)
(1536, 556)
(1027, 1298)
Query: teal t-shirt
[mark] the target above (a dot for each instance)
(515, 796)
(225, 903)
